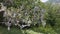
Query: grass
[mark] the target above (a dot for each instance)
(3, 30)
(33, 30)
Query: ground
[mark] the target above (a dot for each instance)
(33, 30)
(3, 30)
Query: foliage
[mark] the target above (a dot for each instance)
(30, 10)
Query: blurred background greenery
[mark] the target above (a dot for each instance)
(45, 14)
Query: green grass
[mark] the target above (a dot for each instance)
(33, 30)
(3, 30)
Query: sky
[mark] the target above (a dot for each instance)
(43, 0)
